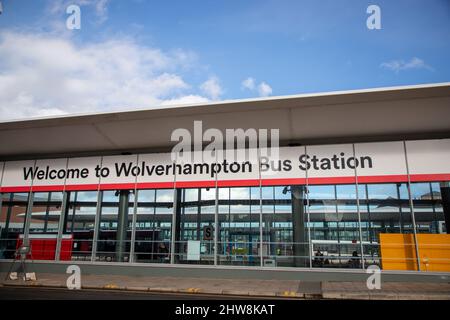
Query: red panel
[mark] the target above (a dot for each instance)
(383, 179)
(195, 184)
(236, 183)
(45, 249)
(282, 182)
(116, 186)
(81, 187)
(155, 185)
(48, 188)
(429, 177)
(66, 250)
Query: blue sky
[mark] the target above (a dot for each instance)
(143, 54)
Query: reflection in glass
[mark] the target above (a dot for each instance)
(79, 224)
(12, 222)
(154, 226)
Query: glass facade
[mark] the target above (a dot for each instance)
(153, 227)
(12, 222)
(315, 224)
(79, 225)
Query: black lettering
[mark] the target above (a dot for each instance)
(335, 160)
(29, 173)
(303, 159)
(40, 174)
(369, 161)
(264, 164)
(123, 168)
(325, 164)
(84, 173)
(287, 165)
(314, 160)
(247, 167)
(160, 170)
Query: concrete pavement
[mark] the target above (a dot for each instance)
(250, 287)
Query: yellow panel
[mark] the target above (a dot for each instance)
(398, 252)
(434, 252)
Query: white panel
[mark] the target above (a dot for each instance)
(385, 158)
(14, 175)
(429, 157)
(193, 250)
(50, 172)
(153, 168)
(326, 161)
(86, 164)
(243, 166)
(121, 169)
(204, 171)
(286, 167)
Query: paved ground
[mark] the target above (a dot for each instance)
(42, 293)
(244, 288)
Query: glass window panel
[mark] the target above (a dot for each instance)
(196, 226)
(12, 221)
(153, 227)
(79, 225)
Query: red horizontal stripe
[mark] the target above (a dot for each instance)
(81, 187)
(155, 185)
(430, 177)
(238, 183)
(16, 189)
(233, 183)
(282, 182)
(331, 180)
(195, 184)
(383, 179)
(48, 188)
(117, 186)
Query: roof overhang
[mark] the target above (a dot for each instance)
(410, 112)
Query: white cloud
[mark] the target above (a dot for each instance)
(264, 89)
(189, 99)
(248, 83)
(42, 75)
(401, 65)
(212, 88)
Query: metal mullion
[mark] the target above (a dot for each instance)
(29, 210)
(358, 210)
(260, 211)
(47, 211)
(310, 247)
(174, 214)
(133, 222)
(216, 218)
(62, 218)
(416, 244)
(97, 217)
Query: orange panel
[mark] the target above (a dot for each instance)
(434, 252)
(398, 252)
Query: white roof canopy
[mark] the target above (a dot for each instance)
(411, 112)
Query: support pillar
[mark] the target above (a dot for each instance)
(298, 226)
(122, 225)
(176, 226)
